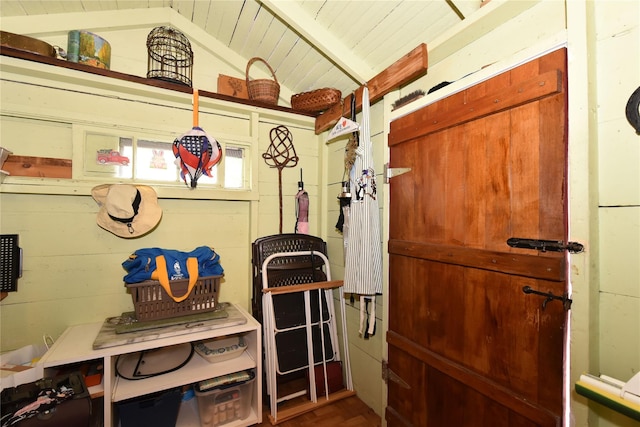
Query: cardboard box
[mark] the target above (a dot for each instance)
(92, 373)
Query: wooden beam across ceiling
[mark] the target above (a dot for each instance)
(411, 66)
(454, 7)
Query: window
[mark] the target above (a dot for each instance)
(142, 157)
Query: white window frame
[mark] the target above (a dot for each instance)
(86, 169)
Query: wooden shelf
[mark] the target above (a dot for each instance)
(28, 56)
(197, 369)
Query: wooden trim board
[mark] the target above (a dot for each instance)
(303, 287)
(39, 167)
(289, 413)
(411, 66)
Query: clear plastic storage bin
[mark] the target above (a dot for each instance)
(225, 399)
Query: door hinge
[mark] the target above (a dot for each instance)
(546, 245)
(389, 375)
(391, 172)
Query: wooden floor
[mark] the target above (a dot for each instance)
(349, 412)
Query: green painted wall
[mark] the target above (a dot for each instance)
(72, 268)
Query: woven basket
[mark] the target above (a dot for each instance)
(152, 302)
(263, 90)
(316, 101)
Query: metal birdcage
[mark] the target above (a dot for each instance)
(170, 56)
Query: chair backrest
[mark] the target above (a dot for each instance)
(284, 271)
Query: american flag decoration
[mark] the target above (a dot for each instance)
(196, 152)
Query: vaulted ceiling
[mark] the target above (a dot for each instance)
(309, 44)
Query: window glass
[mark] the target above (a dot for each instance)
(234, 176)
(154, 161)
(104, 156)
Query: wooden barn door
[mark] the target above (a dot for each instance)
(468, 346)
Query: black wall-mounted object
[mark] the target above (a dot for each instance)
(10, 262)
(632, 110)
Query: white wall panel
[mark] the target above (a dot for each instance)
(619, 343)
(620, 237)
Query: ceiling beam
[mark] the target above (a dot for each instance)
(468, 7)
(453, 6)
(321, 39)
(48, 25)
(406, 69)
(475, 26)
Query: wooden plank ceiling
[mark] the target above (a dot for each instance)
(310, 44)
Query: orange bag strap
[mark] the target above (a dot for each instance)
(163, 276)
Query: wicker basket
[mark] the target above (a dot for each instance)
(151, 301)
(316, 101)
(263, 90)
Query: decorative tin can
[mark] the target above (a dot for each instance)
(87, 48)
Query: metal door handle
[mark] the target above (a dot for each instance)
(566, 301)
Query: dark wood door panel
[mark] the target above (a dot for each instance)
(452, 395)
(478, 184)
(403, 401)
(528, 265)
(487, 164)
(482, 321)
(535, 80)
(459, 109)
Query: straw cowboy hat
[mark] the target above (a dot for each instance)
(127, 210)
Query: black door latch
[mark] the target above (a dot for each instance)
(546, 245)
(566, 301)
